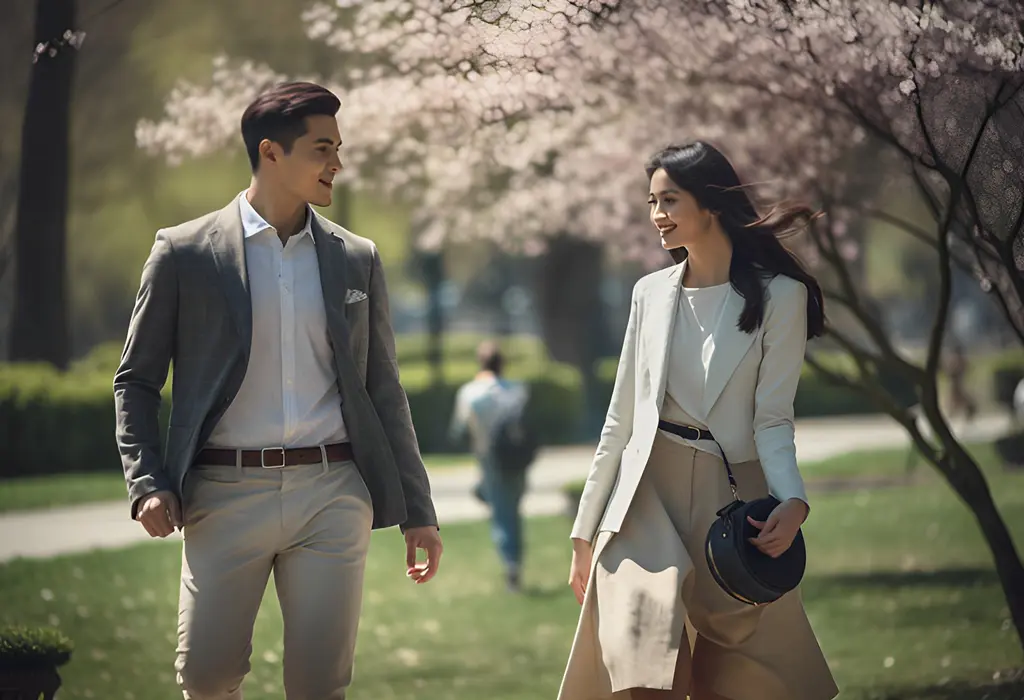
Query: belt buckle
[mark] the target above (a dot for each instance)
(263, 457)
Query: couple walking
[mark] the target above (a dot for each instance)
(290, 436)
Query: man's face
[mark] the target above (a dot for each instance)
(308, 170)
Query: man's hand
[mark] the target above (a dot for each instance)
(160, 513)
(428, 539)
(779, 530)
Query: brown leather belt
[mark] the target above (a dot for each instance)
(275, 457)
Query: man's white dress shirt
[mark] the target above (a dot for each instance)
(290, 396)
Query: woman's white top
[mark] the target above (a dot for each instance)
(689, 356)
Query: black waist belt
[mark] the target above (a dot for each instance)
(687, 432)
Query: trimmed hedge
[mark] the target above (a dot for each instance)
(29, 648)
(52, 422)
(1010, 449)
(555, 400)
(459, 349)
(1006, 370)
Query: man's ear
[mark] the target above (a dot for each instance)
(268, 150)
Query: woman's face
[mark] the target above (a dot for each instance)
(675, 212)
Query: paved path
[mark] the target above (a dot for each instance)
(52, 532)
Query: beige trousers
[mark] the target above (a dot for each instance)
(650, 581)
(310, 525)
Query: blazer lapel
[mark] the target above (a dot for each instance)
(663, 314)
(332, 261)
(227, 242)
(730, 345)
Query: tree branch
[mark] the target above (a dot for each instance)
(918, 234)
(851, 295)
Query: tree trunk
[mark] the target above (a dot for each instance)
(1004, 553)
(959, 470)
(966, 478)
(8, 207)
(39, 327)
(432, 270)
(570, 276)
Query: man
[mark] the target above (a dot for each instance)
(290, 436)
(485, 408)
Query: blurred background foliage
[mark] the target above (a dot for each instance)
(136, 51)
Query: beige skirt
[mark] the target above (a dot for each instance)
(650, 582)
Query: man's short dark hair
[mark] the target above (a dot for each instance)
(279, 114)
(490, 357)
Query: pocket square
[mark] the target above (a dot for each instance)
(354, 295)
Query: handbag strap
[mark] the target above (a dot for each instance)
(688, 432)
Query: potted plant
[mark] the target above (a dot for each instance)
(29, 659)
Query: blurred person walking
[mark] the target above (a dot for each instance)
(290, 436)
(709, 368)
(960, 399)
(491, 412)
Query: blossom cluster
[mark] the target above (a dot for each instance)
(515, 120)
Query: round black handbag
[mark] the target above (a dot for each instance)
(740, 568)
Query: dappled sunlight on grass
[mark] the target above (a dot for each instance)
(900, 589)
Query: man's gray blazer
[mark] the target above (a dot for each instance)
(193, 309)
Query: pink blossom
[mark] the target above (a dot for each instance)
(518, 120)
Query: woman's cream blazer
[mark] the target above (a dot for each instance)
(751, 382)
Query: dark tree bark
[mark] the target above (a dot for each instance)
(432, 271)
(569, 279)
(39, 327)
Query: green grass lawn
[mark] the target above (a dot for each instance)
(29, 492)
(24, 493)
(900, 589)
(886, 463)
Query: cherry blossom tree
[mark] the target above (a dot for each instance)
(527, 123)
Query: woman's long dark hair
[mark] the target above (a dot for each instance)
(704, 172)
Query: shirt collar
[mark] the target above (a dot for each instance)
(253, 223)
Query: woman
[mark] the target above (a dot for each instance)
(714, 343)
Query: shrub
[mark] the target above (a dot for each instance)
(1007, 369)
(556, 404)
(102, 359)
(1010, 449)
(461, 347)
(573, 491)
(52, 422)
(411, 348)
(26, 648)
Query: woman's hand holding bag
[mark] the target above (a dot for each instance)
(780, 528)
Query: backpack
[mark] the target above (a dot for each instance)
(513, 442)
